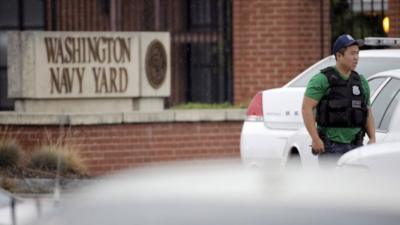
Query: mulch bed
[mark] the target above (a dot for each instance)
(13, 179)
(24, 172)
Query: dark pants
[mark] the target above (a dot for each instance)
(333, 151)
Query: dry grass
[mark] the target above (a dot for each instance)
(74, 162)
(47, 158)
(62, 154)
(7, 184)
(56, 153)
(10, 151)
(50, 157)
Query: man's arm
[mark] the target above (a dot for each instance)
(309, 121)
(370, 127)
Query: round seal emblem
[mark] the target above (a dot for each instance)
(156, 64)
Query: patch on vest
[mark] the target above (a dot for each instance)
(356, 90)
(356, 104)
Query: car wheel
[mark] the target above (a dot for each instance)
(294, 160)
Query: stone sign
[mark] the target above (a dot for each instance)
(88, 67)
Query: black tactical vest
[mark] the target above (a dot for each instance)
(344, 105)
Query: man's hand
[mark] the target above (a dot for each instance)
(317, 146)
(309, 121)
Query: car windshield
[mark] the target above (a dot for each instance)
(367, 66)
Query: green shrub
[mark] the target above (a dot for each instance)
(197, 105)
(10, 153)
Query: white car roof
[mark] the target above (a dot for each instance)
(390, 73)
(379, 53)
(391, 54)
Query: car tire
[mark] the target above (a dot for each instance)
(294, 160)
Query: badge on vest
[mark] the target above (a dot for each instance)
(356, 90)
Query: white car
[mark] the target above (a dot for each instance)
(381, 159)
(274, 115)
(15, 210)
(228, 194)
(385, 95)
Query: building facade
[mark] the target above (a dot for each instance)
(221, 51)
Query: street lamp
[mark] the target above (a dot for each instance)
(386, 24)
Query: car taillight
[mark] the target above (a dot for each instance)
(255, 111)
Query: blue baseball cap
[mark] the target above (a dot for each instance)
(345, 40)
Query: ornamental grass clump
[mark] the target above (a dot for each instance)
(74, 162)
(59, 154)
(8, 184)
(48, 158)
(10, 153)
(52, 157)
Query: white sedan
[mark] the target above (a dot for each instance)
(385, 95)
(224, 193)
(274, 115)
(15, 210)
(382, 159)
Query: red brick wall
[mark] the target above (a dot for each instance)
(394, 16)
(107, 148)
(77, 15)
(275, 40)
(95, 15)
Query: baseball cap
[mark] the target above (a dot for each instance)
(345, 40)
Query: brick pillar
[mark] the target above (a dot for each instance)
(394, 16)
(274, 41)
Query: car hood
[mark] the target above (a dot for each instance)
(367, 154)
(282, 108)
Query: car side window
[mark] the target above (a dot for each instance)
(375, 83)
(381, 103)
(389, 112)
(368, 66)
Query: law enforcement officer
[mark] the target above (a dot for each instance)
(341, 98)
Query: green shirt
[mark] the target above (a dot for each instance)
(317, 87)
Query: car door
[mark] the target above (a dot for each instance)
(384, 106)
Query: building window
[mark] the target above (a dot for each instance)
(209, 48)
(16, 15)
(361, 18)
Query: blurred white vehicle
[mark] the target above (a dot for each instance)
(7, 208)
(228, 194)
(385, 95)
(15, 210)
(380, 159)
(274, 115)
